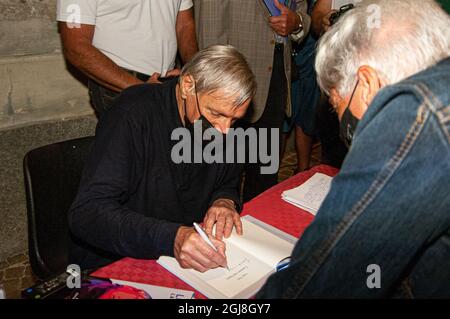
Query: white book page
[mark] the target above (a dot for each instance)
(251, 259)
(308, 209)
(312, 193)
(260, 243)
(244, 271)
(244, 278)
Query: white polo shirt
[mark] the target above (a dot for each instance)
(136, 34)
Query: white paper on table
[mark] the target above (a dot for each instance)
(311, 194)
(158, 292)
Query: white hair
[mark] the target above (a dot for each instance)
(222, 68)
(398, 38)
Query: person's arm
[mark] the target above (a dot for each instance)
(321, 17)
(79, 51)
(376, 213)
(99, 215)
(285, 23)
(302, 12)
(186, 38)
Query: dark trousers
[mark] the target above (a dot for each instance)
(273, 116)
(103, 98)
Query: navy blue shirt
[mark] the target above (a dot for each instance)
(133, 197)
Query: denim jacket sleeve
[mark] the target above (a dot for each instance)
(387, 205)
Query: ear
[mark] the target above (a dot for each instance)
(187, 85)
(370, 84)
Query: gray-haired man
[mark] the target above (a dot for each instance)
(134, 199)
(384, 228)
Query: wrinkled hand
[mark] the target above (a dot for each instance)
(286, 22)
(173, 72)
(154, 78)
(223, 214)
(192, 251)
(326, 23)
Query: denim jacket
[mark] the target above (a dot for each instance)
(388, 211)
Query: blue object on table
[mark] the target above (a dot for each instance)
(283, 264)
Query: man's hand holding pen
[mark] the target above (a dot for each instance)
(192, 251)
(197, 248)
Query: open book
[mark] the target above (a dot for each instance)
(310, 195)
(251, 259)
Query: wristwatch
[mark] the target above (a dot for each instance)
(298, 33)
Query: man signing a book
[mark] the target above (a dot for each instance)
(134, 200)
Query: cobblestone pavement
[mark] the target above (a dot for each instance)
(16, 274)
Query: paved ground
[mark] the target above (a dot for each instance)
(15, 272)
(16, 275)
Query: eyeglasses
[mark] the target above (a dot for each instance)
(336, 15)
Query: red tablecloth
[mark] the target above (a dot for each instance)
(268, 207)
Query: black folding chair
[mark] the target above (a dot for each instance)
(52, 175)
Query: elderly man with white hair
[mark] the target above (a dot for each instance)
(384, 228)
(134, 199)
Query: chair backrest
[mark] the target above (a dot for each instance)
(52, 175)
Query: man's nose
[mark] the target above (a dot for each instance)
(224, 126)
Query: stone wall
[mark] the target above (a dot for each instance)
(28, 27)
(35, 82)
(42, 101)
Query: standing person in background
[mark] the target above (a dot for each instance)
(118, 43)
(333, 148)
(305, 96)
(264, 41)
(323, 9)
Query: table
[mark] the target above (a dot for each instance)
(267, 207)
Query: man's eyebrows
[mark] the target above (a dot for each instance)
(222, 113)
(218, 112)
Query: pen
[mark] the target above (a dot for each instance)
(205, 237)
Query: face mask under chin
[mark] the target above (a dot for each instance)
(348, 123)
(348, 127)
